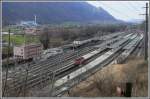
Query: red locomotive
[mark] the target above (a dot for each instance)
(79, 61)
(83, 59)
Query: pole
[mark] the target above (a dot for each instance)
(25, 81)
(52, 83)
(146, 33)
(8, 53)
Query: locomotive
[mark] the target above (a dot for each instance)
(79, 61)
(83, 59)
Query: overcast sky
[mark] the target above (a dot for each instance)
(123, 10)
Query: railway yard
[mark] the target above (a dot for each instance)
(62, 71)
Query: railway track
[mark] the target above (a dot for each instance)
(138, 48)
(58, 90)
(68, 69)
(73, 68)
(50, 62)
(59, 73)
(35, 76)
(37, 80)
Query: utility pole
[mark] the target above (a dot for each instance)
(26, 67)
(146, 32)
(8, 55)
(52, 83)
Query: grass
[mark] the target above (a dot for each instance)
(104, 82)
(13, 29)
(20, 39)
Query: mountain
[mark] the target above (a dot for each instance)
(53, 12)
(136, 21)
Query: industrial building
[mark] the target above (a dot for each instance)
(32, 31)
(28, 51)
(32, 23)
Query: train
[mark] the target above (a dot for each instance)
(83, 59)
(80, 43)
(51, 52)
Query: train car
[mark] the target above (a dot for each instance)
(80, 43)
(51, 52)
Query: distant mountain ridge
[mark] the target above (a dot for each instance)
(136, 21)
(53, 12)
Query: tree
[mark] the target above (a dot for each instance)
(64, 33)
(45, 37)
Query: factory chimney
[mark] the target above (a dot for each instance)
(35, 19)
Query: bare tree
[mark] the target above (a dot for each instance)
(45, 37)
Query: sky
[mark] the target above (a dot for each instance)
(123, 10)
